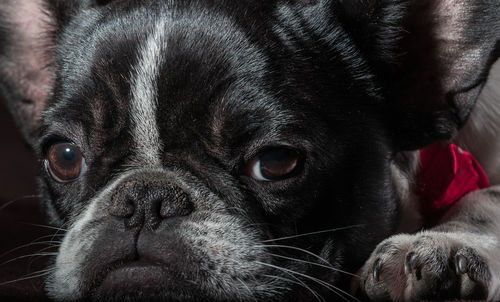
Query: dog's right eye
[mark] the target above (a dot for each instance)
(274, 164)
(65, 162)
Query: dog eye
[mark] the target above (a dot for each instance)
(65, 162)
(274, 164)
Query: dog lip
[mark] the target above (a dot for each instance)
(133, 274)
(145, 277)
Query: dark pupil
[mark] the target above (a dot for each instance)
(68, 154)
(278, 163)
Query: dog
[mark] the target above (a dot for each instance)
(220, 150)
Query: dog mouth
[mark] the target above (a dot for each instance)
(144, 278)
(136, 274)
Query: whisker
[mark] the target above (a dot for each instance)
(297, 249)
(30, 276)
(47, 236)
(45, 226)
(315, 264)
(18, 199)
(36, 257)
(299, 282)
(27, 256)
(248, 288)
(56, 234)
(276, 287)
(61, 229)
(291, 272)
(34, 243)
(333, 288)
(50, 269)
(314, 233)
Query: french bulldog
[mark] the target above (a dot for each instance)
(255, 150)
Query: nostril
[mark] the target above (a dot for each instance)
(154, 212)
(140, 202)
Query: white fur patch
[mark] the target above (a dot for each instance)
(144, 102)
(65, 282)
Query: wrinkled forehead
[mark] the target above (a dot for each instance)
(168, 45)
(149, 70)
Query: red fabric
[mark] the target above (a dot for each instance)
(447, 173)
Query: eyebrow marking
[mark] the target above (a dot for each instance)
(144, 103)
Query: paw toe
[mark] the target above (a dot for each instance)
(425, 268)
(473, 272)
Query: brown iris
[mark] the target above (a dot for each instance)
(274, 164)
(65, 162)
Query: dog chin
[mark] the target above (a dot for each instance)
(144, 281)
(148, 281)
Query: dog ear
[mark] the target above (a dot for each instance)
(431, 56)
(447, 49)
(28, 31)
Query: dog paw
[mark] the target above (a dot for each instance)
(427, 266)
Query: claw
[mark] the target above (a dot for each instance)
(410, 263)
(461, 264)
(376, 269)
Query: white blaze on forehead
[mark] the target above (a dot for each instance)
(144, 103)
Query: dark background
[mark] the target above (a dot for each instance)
(20, 217)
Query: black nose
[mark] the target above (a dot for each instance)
(139, 202)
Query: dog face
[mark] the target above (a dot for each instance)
(194, 152)
(216, 151)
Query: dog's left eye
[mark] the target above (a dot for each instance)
(274, 164)
(65, 162)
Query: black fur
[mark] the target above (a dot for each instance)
(236, 78)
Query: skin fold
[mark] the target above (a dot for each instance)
(254, 150)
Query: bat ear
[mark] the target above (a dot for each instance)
(28, 31)
(447, 50)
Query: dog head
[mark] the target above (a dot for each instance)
(231, 150)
